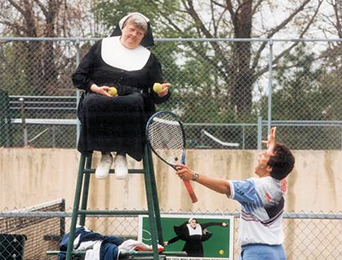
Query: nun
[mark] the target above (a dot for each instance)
(114, 123)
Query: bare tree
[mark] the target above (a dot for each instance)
(239, 66)
(333, 20)
(334, 27)
(42, 18)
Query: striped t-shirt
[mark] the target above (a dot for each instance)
(262, 205)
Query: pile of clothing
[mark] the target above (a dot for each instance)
(99, 247)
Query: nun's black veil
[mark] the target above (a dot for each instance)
(146, 41)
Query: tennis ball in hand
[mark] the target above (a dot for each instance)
(113, 91)
(157, 87)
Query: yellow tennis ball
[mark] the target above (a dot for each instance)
(113, 91)
(221, 252)
(157, 87)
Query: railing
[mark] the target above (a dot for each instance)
(27, 105)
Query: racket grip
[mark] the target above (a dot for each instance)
(190, 190)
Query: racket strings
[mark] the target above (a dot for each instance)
(166, 137)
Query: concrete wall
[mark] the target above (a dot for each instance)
(34, 176)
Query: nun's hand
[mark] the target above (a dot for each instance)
(103, 90)
(165, 89)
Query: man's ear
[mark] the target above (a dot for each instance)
(268, 169)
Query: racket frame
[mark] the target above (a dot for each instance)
(182, 159)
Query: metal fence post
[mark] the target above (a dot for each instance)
(23, 121)
(270, 82)
(53, 130)
(259, 133)
(243, 136)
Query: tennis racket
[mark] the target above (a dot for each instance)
(166, 137)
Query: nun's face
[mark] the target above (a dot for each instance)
(193, 223)
(132, 35)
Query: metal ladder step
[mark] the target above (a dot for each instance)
(113, 212)
(113, 171)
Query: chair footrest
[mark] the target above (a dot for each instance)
(76, 253)
(141, 255)
(113, 171)
(113, 212)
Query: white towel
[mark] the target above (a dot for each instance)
(94, 254)
(131, 244)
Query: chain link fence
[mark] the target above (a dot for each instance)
(228, 92)
(30, 233)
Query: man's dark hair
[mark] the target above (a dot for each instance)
(282, 161)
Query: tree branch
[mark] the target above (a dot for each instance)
(338, 25)
(230, 8)
(220, 17)
(219, 52)
(289, 19)
(278, 28)
(16, 6)
(42, 7)
(256, 6)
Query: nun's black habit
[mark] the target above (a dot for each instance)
(117, 123)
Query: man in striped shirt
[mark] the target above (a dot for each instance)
(262, 200)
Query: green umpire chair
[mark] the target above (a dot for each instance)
(80, 210)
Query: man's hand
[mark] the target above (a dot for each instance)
(216, 184)
(184, 172)
(271, 140)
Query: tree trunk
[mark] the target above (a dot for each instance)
(50, 70)
(243, 80)
(34, 69)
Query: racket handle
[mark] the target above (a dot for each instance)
(190, 190)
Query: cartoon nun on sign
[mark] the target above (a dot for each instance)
(194, 234)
